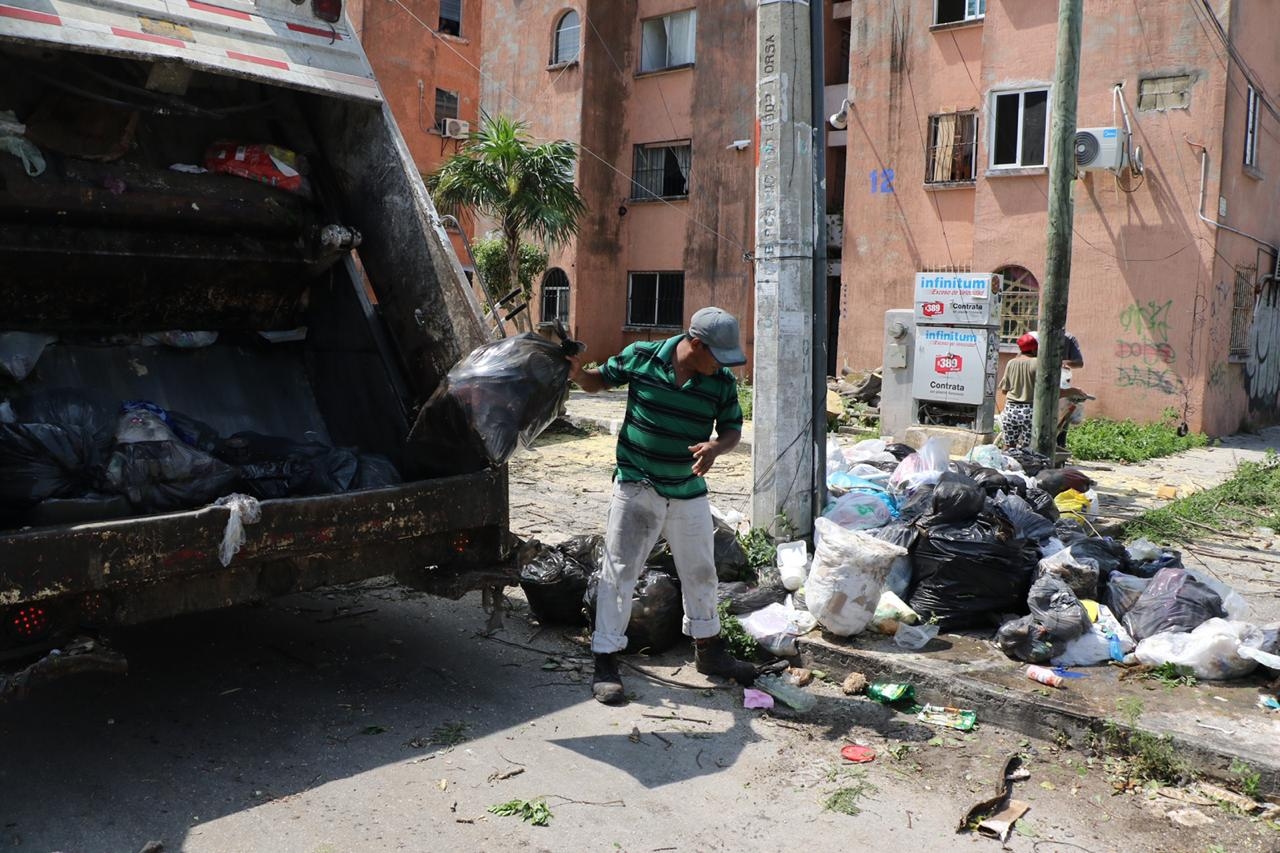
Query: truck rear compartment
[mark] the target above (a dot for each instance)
(110, 245)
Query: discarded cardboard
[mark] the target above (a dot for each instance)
(1000, 824)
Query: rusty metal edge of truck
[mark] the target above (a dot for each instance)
(445, 536)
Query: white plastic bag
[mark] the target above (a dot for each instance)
(923, 466)
(776, 627)
(860, 510)
(988, 456)
(914, 637)
(793, 564)
(892, 611)
(835, 457)
(1143, 550)
(868, 451)
(849, 569)
(1104, 640)
(243, 510)
(1210, 652)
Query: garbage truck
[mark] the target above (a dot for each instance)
(212, 233)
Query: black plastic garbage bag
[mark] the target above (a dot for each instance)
(899, 450)
(194, 432)
(1123, 591)
(554, 584)
(898, 581)
(1080, 573)
(1169, 558)
(374, 472)
(1032, 462)
(587, 549)
(40, 461)
(1042, 502)
(155, 470)
(656, 612)
(1057, 481)
(1027, 523)
(1109, 554)
(956, 499)
(504, 392)
(1174, 601)
(1055, 606)
(917, 505)
(321, 470)
(993, 482)
(730, 556)
(92, 423)
(1026, 639)
(967, 573)
(744, 598)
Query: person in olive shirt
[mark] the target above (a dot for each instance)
(1019, 387)
(678, 390)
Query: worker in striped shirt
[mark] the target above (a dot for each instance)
(678, 391)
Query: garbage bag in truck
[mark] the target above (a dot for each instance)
(159, 472)
(504, 392)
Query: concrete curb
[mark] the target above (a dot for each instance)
(1210, 748)
(613, 425)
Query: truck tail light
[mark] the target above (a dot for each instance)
(29, 623)
(327, 10)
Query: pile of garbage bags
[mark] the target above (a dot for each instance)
(64, 458)
(1003, 540)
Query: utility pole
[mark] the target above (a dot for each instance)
(1062, 175)
(782, 451)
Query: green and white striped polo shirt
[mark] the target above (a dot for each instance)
(663, 420)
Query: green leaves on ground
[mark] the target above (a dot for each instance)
(1171, 675)
(1250, 498)
(739, 643)
(847, 800)
(1126, 441)
(534, 811)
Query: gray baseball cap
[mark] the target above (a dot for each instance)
(718, 329)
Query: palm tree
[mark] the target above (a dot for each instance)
(526, 188)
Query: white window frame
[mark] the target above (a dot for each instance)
(666, 22)
(992, 166)
(1251, 127)
(560, 30)
(974, 10)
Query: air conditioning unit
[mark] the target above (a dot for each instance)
(1101, 148)
(456, 128)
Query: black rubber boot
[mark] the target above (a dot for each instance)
(712, 658)
(606, 683)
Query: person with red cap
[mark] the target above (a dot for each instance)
(1019, 387)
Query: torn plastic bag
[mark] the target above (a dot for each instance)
(1173, 602)
(1027, 639)
(242, 510)
(849, 569)
(656, 612)
(1106, 640)
(1210, 652)
(777, 626)
(1077, 572)
(1054, 605)
(744, 598)
(554, 584)
(503, 393)
(1123, 591)
(957, 499)
(19, 352)
(967, 573)
(1027, 523)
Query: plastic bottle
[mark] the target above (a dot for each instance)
(1044, 675)
(789, 694)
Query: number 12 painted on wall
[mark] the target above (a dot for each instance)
(881, 181)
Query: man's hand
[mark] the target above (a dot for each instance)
(704, 456)
(591, 381)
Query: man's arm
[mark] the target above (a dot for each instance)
(1074, 355)
(706, 453)
(592, 381)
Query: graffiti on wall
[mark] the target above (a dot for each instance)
(1262, 367)
(1145, 354)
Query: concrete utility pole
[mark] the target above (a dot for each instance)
(782, 450)
(1062, 176)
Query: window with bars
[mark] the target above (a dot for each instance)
(446, 107)
(661, 171)
(1251, 128)
(1242, 311)
(655, 299)
(568, 36)
(1019, 134)
(667, 42)
(555, 296)
(953, 148)
(957, 11)
(1019, 303)
(451, 17)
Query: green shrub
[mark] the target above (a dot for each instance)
(1126, 441)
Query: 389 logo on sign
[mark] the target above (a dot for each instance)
(932, 309)
(947, 364)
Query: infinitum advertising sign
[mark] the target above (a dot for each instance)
(954, 365)
(957, 298)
